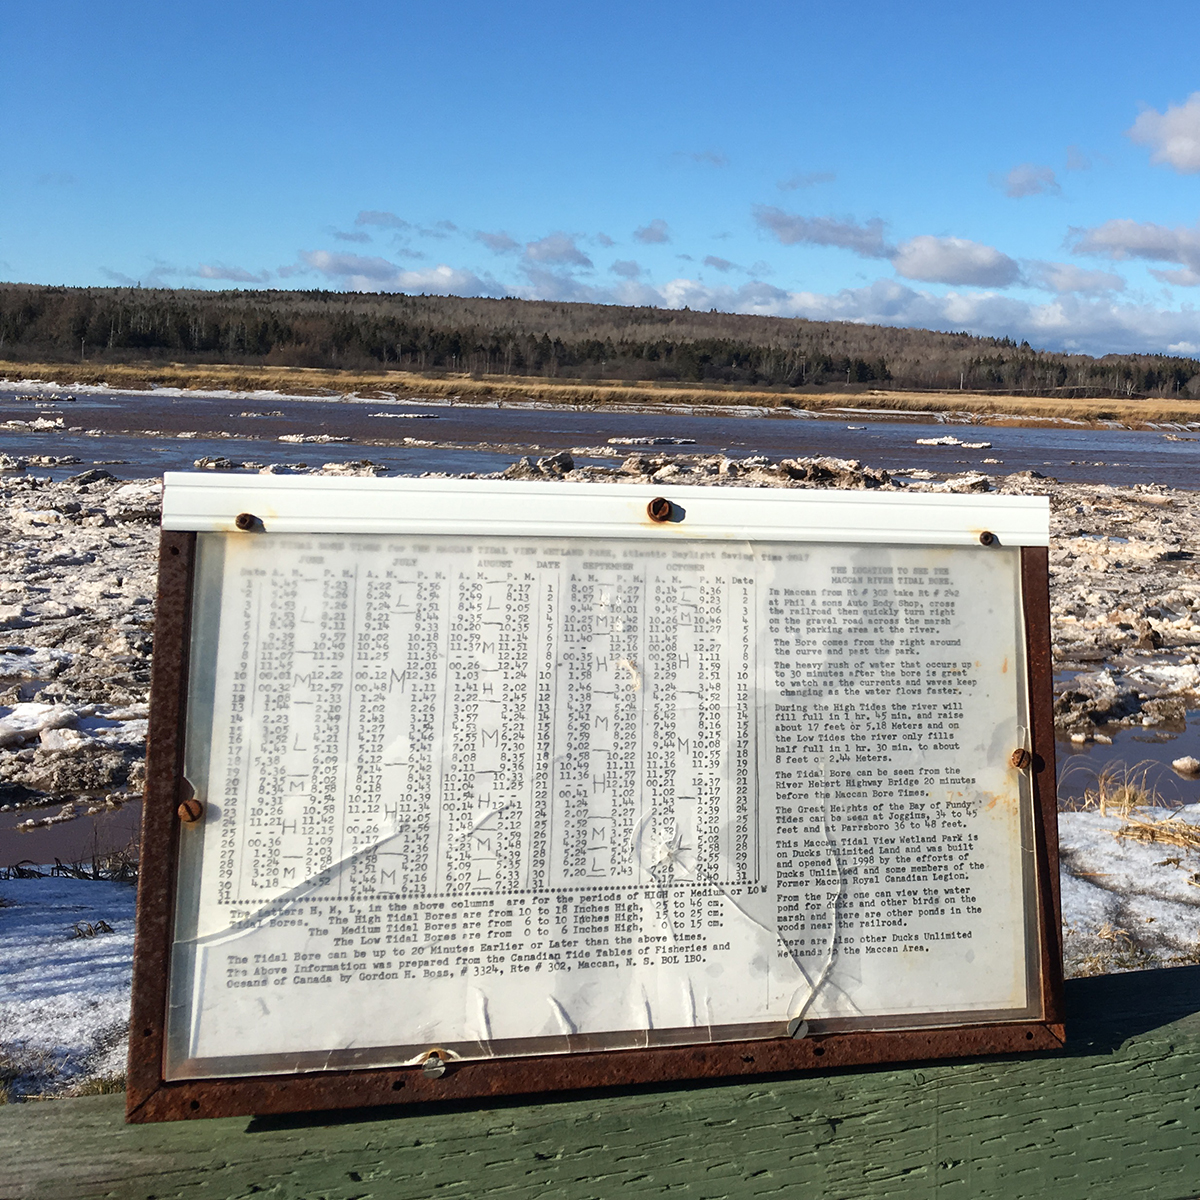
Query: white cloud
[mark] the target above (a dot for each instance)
(955, 261)
(626, 268)
(1173, 136)
(1027, 179)
(805, 179)
(497, 243)
(348, 266)
(1123, 239)
(361, 274)
(864, 239)
(1184, 277)
(654, 233)
(558, 249)
(1066, 278)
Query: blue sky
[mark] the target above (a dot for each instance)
(1030, 170)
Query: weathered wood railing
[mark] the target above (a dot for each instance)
(1116, 1116)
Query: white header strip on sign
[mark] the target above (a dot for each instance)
(479, 507)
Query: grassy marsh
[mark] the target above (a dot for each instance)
(483, 389)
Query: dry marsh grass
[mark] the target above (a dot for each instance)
(1127, 793)
(1010, 408)
(105, 1085)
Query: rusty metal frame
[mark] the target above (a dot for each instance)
(149, 1097)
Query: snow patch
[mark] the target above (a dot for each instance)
(64, 999)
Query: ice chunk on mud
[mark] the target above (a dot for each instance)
(25, 722)
(708, 470)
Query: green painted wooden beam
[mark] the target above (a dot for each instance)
(1116, 1116)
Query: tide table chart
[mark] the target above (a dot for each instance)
(460, 787)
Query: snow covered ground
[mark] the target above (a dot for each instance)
(1129, 904)
(64, 998)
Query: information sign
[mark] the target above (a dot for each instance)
(461, 787)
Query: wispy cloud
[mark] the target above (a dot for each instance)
(384, 220)
(359, 235)
(56, 179)
(556, 249)
(1124, 239)
(546, 284)
(805, 179)
(708, 158)
(865, 239)
(626, 268)
(1077, 160)
(720, 264)
(157, 274)
(1027, 179)
(231, 274)
(603, 240)
(655, 233)
(497, 243)
(1173, 136)
(1067, 278)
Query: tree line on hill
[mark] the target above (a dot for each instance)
(449, 334)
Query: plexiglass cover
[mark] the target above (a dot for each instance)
(523, 796)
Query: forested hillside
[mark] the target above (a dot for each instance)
(436, 334)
